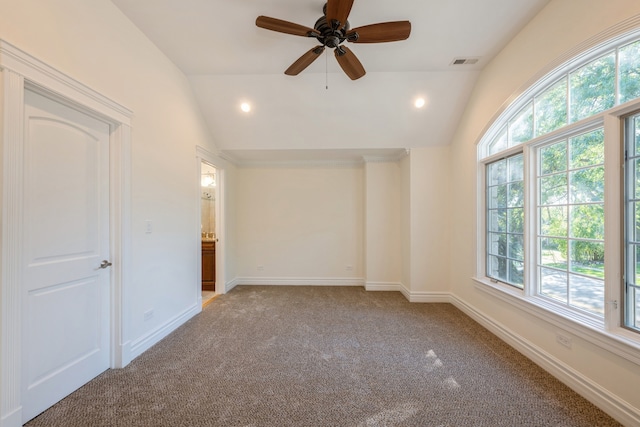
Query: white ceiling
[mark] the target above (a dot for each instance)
(229, 60)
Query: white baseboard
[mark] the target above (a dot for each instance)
(428, 297)
(617, 408)
(383, 286)
(230, 285)
(300, 281)
(144, 343)
(411, 296)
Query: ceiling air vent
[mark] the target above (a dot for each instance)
(464, 61)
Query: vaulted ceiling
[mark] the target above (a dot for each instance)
(229, 60)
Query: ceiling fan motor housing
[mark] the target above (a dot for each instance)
(328, 36)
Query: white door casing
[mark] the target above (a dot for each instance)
(19, 70)
(65, 326)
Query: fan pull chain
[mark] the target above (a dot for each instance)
(326, 70)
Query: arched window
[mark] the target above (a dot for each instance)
(550, 173)
(575, 91)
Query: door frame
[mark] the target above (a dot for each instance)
(203, 155)
(18, 71)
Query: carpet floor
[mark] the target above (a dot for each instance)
(326, 356)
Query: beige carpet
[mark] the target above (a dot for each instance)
(316, 356)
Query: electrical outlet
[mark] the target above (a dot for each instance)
(148, 314)
(349, 268)
(563, 340)
(148, 226)
(260, 268)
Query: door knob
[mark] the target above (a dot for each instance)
(105, 264)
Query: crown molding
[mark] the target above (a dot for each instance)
(353, 160)
(47, 78)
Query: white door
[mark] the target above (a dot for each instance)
(65, 293)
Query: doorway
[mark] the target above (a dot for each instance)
(208, 229)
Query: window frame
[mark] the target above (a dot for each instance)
(609, 331)
(506, 232)
(627, 133)
(536, 284)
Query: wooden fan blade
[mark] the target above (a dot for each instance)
(349, 63)
(338, 10)
(304, 61)
(286, 27)
(380, 33)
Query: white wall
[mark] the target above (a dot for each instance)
(92, 42)
(230, 228)
(383, 225)
(405, 212)
(430, 197)
(388, 221)
(560, 27)
(300, 223)
(424, 199)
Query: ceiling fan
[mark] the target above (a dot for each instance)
(331, 30)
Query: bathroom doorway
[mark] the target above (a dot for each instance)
(209, 184)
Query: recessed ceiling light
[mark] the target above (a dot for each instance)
(419, 103)
(245, 106)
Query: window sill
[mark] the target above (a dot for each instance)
(620, 341)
